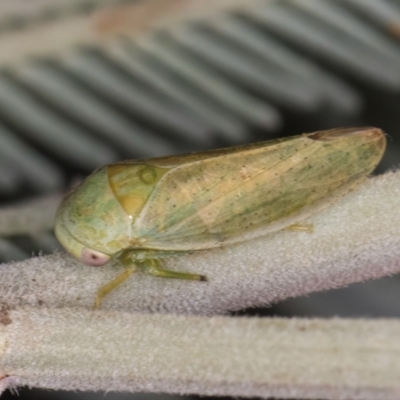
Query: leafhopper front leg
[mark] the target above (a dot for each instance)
(106, 289)
(152, 267)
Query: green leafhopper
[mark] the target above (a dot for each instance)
(138, 212)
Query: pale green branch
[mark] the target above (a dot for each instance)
(29, 217)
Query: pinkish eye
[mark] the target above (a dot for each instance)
(93, 258)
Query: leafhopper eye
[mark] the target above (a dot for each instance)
(93, 258)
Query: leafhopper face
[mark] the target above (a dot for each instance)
(141, 211)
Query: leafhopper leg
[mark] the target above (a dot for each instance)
(309, 228)
(106, 289)
(152, 267)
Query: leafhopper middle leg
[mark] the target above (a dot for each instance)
(152, 266)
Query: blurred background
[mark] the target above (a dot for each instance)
(89, 82)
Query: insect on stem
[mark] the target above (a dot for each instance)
(145, 210)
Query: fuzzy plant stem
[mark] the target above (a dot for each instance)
(249, 357)
(355, 239)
